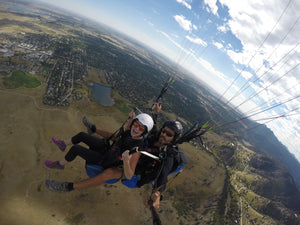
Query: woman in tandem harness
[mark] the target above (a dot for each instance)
(100, 154)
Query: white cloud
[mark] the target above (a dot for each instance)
(208, 66)
(247, 75)
(184, 23)
(252, 22)
(218, 45)
(149, 23)
(223, 28)
(184, 2)
(212, 6)
(238, 57)
(175, 43)
(197, 41)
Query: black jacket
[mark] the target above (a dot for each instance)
(152, 170)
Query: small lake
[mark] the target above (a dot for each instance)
(21, 9)
(101, 94)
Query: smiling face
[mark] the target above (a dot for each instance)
(166, 136)
(137, 129)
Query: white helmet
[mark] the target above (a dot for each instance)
(146, 120)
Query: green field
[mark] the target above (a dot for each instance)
(20, 79)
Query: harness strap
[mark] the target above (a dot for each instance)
(136, 149)
(120, 131)
(168, 183)
(161, 167)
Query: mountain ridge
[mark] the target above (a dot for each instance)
(265, 141)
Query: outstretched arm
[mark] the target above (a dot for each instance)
(156, 110)
(131, 117)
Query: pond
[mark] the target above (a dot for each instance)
(101, 94)
(21, 9)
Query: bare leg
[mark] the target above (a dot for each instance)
(63, 162)
(68, 142)
(110, 173)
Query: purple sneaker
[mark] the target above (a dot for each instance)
(59, 143)
(54, 165)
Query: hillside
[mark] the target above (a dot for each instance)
(261, 188)
(265, 141)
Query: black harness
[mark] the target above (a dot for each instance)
(123, 142)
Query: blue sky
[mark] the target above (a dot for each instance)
(247, 50)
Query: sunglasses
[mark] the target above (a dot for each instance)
(168, 133)
(141, 127)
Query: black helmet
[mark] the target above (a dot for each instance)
(175, 126)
